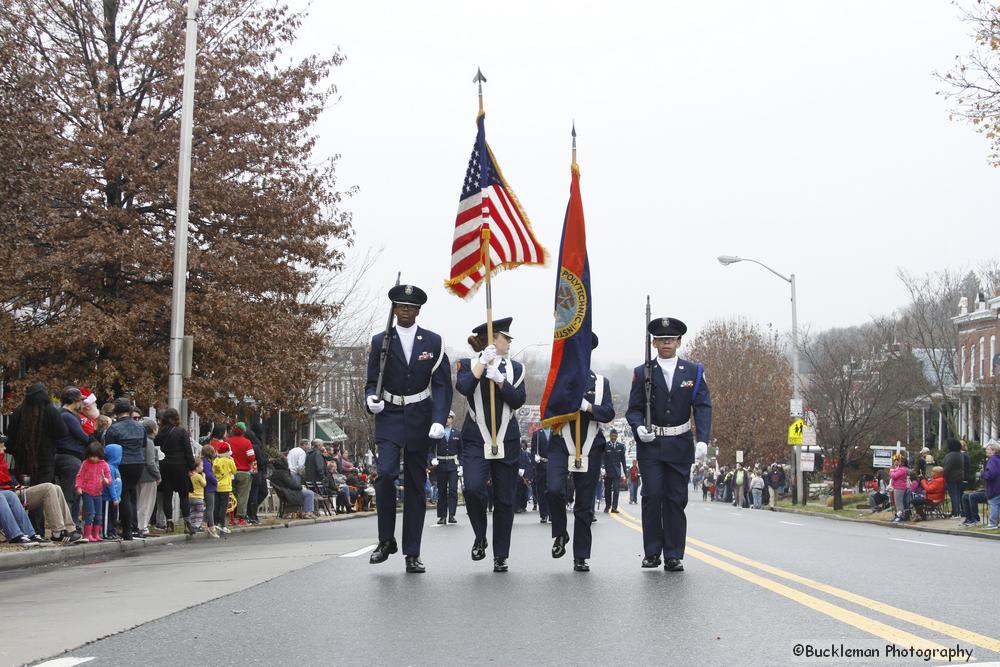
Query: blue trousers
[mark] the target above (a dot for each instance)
(93, 511)
(414, 498)
(477, 470)
(447, 484)
(585, 484)
(13, 519)
(664, 497)
(541, 489)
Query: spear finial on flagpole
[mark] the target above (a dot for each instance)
(480, 79)
(574, 143)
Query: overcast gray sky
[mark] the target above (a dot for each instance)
(804, 134)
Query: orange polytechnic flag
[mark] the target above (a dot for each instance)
(569, 370)
(488, 213)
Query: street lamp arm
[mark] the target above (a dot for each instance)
(783, 277)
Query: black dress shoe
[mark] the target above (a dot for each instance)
(452, 519)
(543, 520)
(606, 510)
(593, 519)
(673, 565)
(559, 546)
(479, 549)
(580, 565)
(414, 566)
(382, 552)
(651, 561)
(441, 521)
(614, 511)
(499, 564)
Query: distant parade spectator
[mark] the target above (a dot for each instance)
(178, 461)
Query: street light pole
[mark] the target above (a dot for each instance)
(726, 260)
(175, 378)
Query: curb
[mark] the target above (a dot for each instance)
(39, 556)
(901, 526)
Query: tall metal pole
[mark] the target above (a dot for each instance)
(796, 388)
(174, 388)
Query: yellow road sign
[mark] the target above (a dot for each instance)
(795, 432)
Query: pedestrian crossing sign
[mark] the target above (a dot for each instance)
(795, 432)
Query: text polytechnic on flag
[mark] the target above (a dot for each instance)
(488, 207)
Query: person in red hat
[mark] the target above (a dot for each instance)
(246, 467)
(88, 411)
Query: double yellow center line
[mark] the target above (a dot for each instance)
(698, 550)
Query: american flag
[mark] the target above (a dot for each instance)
(512, 242)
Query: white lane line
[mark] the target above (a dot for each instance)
(790, 523)
(359, 552)
(64, 662)
(931, 544)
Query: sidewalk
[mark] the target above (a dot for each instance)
(49, 555)
(945, 527)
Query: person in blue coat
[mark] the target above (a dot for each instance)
(596, 408)
(475, 375)
(615, 466)
(526, 474)
(445, 462)
(666, 451)
(540, 455)
(410, 413)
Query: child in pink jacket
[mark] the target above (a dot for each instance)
(94, 475)
(899, 480)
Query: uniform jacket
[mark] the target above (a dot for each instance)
(428, 367)
(615, 464)
(540, 449)
(527, 464)
(601, 413)
(509, 397)
(449, 445)
(671, 407)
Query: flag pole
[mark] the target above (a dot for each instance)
(579, 417)
(479, 79)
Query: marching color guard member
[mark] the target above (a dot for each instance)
(412, 410)
(597, 408)
(666, 451)
(540, 454)
(446, 470)
(473, 381)
(615, 465)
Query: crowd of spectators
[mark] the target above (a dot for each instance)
(949, 490)
(76, 473)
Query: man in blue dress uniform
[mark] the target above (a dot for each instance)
(540, 455)
(614, 467)
(410, 413)
(445, 452)
(526, 475)
(596, 408)
(666, 451)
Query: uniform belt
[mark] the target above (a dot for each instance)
(447, 458)
(406, 400)
(672, 430)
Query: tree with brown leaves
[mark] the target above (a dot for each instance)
(750, 379)
(89, 296)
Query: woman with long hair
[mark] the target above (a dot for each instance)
(176, 466)
(33, 431)
(491, 366)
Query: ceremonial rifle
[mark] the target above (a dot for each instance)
(384, 352)
(648, 380)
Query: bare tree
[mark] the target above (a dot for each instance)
(750, 380)
(860, 380)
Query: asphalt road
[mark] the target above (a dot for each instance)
(757, 586)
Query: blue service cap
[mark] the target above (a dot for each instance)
(667, 327)
(499, 326)
(408, 294)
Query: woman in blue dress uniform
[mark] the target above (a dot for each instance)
(491, 366)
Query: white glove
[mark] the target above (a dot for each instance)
(436, 432)
(375, 404)
(520, 471)
(459, 471)
(538, 459)
(434, 461)
(645, 435)
(488, 355)
(493, 373)
(584, 405)
(700, 451)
